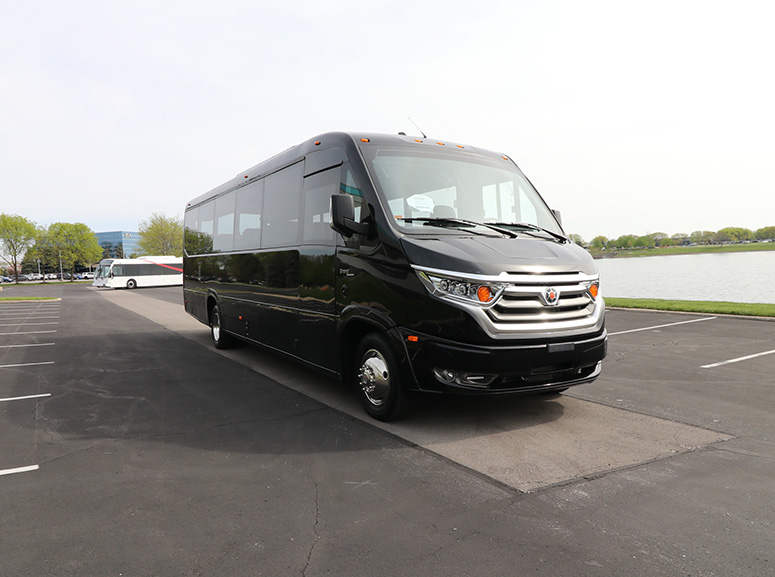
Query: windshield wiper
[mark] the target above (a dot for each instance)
(437, 221)
(534, 227)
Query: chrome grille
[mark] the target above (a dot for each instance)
(523, 302)
(521, 309)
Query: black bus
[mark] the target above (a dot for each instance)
(403, 265)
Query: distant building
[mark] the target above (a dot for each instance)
(118, 243)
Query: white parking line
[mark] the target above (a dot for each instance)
(6, 319)
(730, 361)
(26, 365)
(19, 470)
(662, 326)
(25, 398)
(29, 324)
(27, 333)
(29, 345)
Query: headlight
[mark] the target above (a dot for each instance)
(467, 290)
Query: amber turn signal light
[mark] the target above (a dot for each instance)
(484, 294)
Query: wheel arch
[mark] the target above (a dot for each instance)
(353, 331)
(212, 300)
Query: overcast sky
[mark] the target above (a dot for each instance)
(628, 117)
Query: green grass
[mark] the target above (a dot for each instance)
(672, 250)
(706, 307)
(7, 299)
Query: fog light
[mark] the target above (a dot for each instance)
(477, 380)
(466, 379)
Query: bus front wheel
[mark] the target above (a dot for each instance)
(381, 391)
(131, 284)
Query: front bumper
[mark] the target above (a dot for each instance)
(435, 365)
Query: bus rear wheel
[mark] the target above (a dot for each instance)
(221, 340)
(380, 389)
(131, 284)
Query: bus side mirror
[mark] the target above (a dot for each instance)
(557, 216)
(343, 216)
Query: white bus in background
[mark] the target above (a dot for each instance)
(146, 271)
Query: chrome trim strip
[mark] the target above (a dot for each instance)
(515, 278)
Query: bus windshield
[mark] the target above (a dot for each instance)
(421, 188)
(102, 269)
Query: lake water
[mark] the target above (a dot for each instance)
(743, 277)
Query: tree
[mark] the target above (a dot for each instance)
(766, 233)
(645, 241)
(576, 238)
(34, 254)
(624, 241)
(72, 244)
(161, 235)
(702, 236)
(17, 234)
(733, 234)
(45, 251)
(598, 243)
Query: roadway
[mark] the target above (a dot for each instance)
(131, 447)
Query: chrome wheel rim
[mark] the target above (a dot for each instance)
(374, 377)
(216, 327)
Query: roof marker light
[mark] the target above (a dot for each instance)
(440, 143)
(364, 140)
(317, 143)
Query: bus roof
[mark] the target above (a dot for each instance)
(348, 141)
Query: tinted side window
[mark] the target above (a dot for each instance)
(199, 229)
(316, 223)
(191, 231)
(223, 235)
(247, 230)
(282, 192)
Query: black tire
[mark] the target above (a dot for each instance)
(131, 284)
(378, 380)
(221, 339)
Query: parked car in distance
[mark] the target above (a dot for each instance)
(5, 279)
(50, 276)
(35, 276)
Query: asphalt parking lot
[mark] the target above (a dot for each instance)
(131, 447)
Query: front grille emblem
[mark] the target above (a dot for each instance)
(551, 296)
